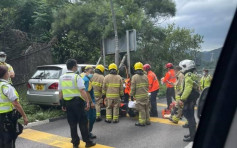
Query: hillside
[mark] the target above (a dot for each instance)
(209, 60)
(207, 55)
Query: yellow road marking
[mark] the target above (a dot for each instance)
(161, 120)
(165, 121)
(165, 105)
(52, 140)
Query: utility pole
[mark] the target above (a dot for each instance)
(115, 33)
(212, 57)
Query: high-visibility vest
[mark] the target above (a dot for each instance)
(69, 86)
(127, 86)
(153, 81)
(170, 78)
(5, 104)
(205, 82)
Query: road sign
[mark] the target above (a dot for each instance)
(109, 44)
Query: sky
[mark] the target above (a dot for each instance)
(209, 18)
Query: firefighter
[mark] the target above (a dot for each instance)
(205, 80)
(169, 80)
(113, 89)
(72, 98)
(91, 113)
(153, 89)
(189, 96)
(9, 101)
(177, 113)
(97, 82)
(139, 90)
(3, 57)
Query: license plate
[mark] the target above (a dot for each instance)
(39, 87)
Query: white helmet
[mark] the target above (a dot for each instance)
(187, 65)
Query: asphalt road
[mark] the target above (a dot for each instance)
(160, 134)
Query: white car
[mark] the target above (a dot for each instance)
(43, 85)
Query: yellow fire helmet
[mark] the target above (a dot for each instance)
(138, 66)
(100, 67)
(113, 66)
(88, 67)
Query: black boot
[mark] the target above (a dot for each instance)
(107, 121)
(185, 125)
(90, 144)
(186, 136)
(139, 124)
(98, 119)
(192, 131)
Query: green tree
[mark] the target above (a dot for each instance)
(80, 27)
(162, 45)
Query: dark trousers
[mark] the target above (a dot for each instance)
(76, 114)
(7, 138)
(154, 112)
(170, 93)
(188, 111)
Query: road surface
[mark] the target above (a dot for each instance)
(160, 134)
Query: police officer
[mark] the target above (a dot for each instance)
(189, 96)
(113, 89)
(3, 57)
(73, 96)
(205, 80)
(9, 100)
(139, 90)
(97, 82)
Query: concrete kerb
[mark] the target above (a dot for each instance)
(37, 123)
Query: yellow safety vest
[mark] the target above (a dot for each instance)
(69, 86)
(205, 82)
(5, 104)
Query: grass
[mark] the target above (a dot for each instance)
(35, 112)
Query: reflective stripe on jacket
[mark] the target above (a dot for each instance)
(5, 104)
(139, 87)
(170, 78)
(153, 81)
(97, 82)
(179, 82)
(68, 82)
(112, 86)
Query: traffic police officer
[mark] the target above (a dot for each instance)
(139, 90)
(189, 96)
(9, 100)
(113, 89)
(97, 82)
(73, 96)
(205, 80)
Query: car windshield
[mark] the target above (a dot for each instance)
(47, 73)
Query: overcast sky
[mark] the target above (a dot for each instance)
(210, 18)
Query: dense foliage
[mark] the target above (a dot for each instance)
(79, 28)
